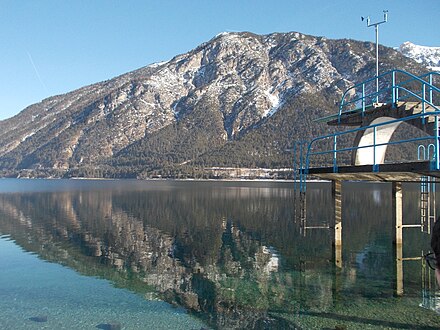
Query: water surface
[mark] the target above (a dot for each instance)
(191, 255)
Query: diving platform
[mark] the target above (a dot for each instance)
(371, 117)
(371, 112)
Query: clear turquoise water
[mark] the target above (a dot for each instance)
(31, 287)
(193, 255)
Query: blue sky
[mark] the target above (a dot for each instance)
(50, 47)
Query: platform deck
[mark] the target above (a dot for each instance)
(402, 172)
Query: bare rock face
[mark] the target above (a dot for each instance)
(237, 81)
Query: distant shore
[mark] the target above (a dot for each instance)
(169, 179)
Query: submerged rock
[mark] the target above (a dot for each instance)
(41, 318)
(110, 326)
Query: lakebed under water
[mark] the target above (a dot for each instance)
(84, 254)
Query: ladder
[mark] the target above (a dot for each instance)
(300, 179)
(427, 204)
(300, 187)
(427, 193)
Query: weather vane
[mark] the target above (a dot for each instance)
(376, 27)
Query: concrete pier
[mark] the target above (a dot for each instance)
(397, 212)
(399, 270)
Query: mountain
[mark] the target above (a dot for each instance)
(238, 100)
(428, 56)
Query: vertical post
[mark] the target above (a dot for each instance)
(295, 169)
(376, 27)
(434, 213)
(399, 270)
(335, 146)
(437, 144)
(394, 90)
(423, 103)
(374, 145)
(375, 165)
(337, 202)
(303, 208)
(397, 209)
(363, 99)
(377, 62)
(301, 166)
(304, 169)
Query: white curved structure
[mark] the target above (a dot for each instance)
(370, 151)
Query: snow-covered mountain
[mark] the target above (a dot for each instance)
(238, 100)
(428, 56)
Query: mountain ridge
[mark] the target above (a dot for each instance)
(199, 109)
(426, 55)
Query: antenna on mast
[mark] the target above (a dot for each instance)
(376, 27)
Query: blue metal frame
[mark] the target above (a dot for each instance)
(398, 91)
(334, 136)
(389, 94)
(394, 97)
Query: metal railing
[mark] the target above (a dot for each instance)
(425, 92)
(423, 153)
(335, 150)
(392, 91)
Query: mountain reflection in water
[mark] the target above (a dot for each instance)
(231, 253)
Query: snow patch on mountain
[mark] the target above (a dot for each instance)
(275, 102)
(157, 64)
(429, 56)
(221, 34)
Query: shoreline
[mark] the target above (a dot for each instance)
(167, 179)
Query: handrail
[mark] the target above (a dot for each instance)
(415, 95)
(428, 74)
(425, 156)
(394, 88)
(431, 73)
(334, 136)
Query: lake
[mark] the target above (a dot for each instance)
(127, 254)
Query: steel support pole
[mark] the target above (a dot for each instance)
(394, 90)
(374, 148)
(423, 104)
(437, 144)
(376, 28)
(377, 62)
